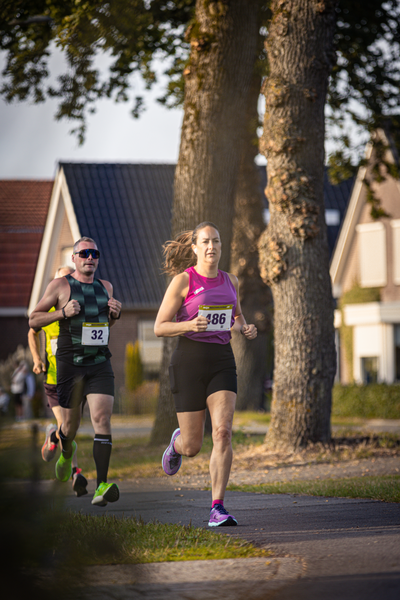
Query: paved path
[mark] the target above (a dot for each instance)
(335, 549)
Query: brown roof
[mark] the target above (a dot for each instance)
(23, 212)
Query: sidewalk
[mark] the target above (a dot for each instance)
(331, 548)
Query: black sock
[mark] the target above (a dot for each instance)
(102, 445)
(54, 438)
(66, 444)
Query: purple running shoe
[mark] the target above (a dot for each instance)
(171, 460)
(219, 517)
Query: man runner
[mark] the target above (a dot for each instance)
(49, 448)
(85, 309)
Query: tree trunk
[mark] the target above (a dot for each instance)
(166, 420)
(255, 296)
(223, 43)
(223, 40)
(294, 257)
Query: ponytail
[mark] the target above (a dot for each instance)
(178, 253)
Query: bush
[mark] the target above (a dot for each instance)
(372, 401)
(133, 366)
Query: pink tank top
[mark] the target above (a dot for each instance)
(211, 291)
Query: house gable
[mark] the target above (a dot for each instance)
(60, 231)
(377, 237)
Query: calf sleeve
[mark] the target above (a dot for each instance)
(102, 445)
(66, 444)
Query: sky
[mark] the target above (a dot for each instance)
(32, 141)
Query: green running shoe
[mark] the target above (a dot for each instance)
(64, 465)
(106, 492)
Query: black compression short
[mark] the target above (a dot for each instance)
(199, 369)
(74, 383)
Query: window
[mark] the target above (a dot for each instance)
(372, 254)
(332, 217)
(396, 250)
(369, 369)
(150, 347)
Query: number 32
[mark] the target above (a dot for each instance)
(97, 334)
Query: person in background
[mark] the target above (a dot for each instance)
(4, 401)
(27, 396)
(18, 379)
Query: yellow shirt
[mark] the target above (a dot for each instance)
(52, 332)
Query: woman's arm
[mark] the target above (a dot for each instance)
(172, 301)
(249, 331)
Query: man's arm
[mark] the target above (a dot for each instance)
(114, 305)
(34, 347)
(57, 295)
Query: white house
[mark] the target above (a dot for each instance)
(367, 257)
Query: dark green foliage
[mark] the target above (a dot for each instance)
(365, 82)
(372, 401)
(136, 32)
(130, 32)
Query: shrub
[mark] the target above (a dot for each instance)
(133, 366)
(372, 401)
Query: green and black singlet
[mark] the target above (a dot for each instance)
(77, 338)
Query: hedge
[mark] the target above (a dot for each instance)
(372, 401)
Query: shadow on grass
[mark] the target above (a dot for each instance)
(41, 557)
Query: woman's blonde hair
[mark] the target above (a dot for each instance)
(178, 253)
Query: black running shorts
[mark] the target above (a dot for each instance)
(74, 383)
(51, 394)
(199, 369)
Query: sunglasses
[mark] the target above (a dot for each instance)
(87, 252)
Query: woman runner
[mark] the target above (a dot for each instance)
(205, 302)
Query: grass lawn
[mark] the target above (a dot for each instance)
(382, 487)
(131, 541)
(131, 457)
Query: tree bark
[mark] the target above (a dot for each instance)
(223, 41)
(255, 296)
(165, 414)
(294, 249)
